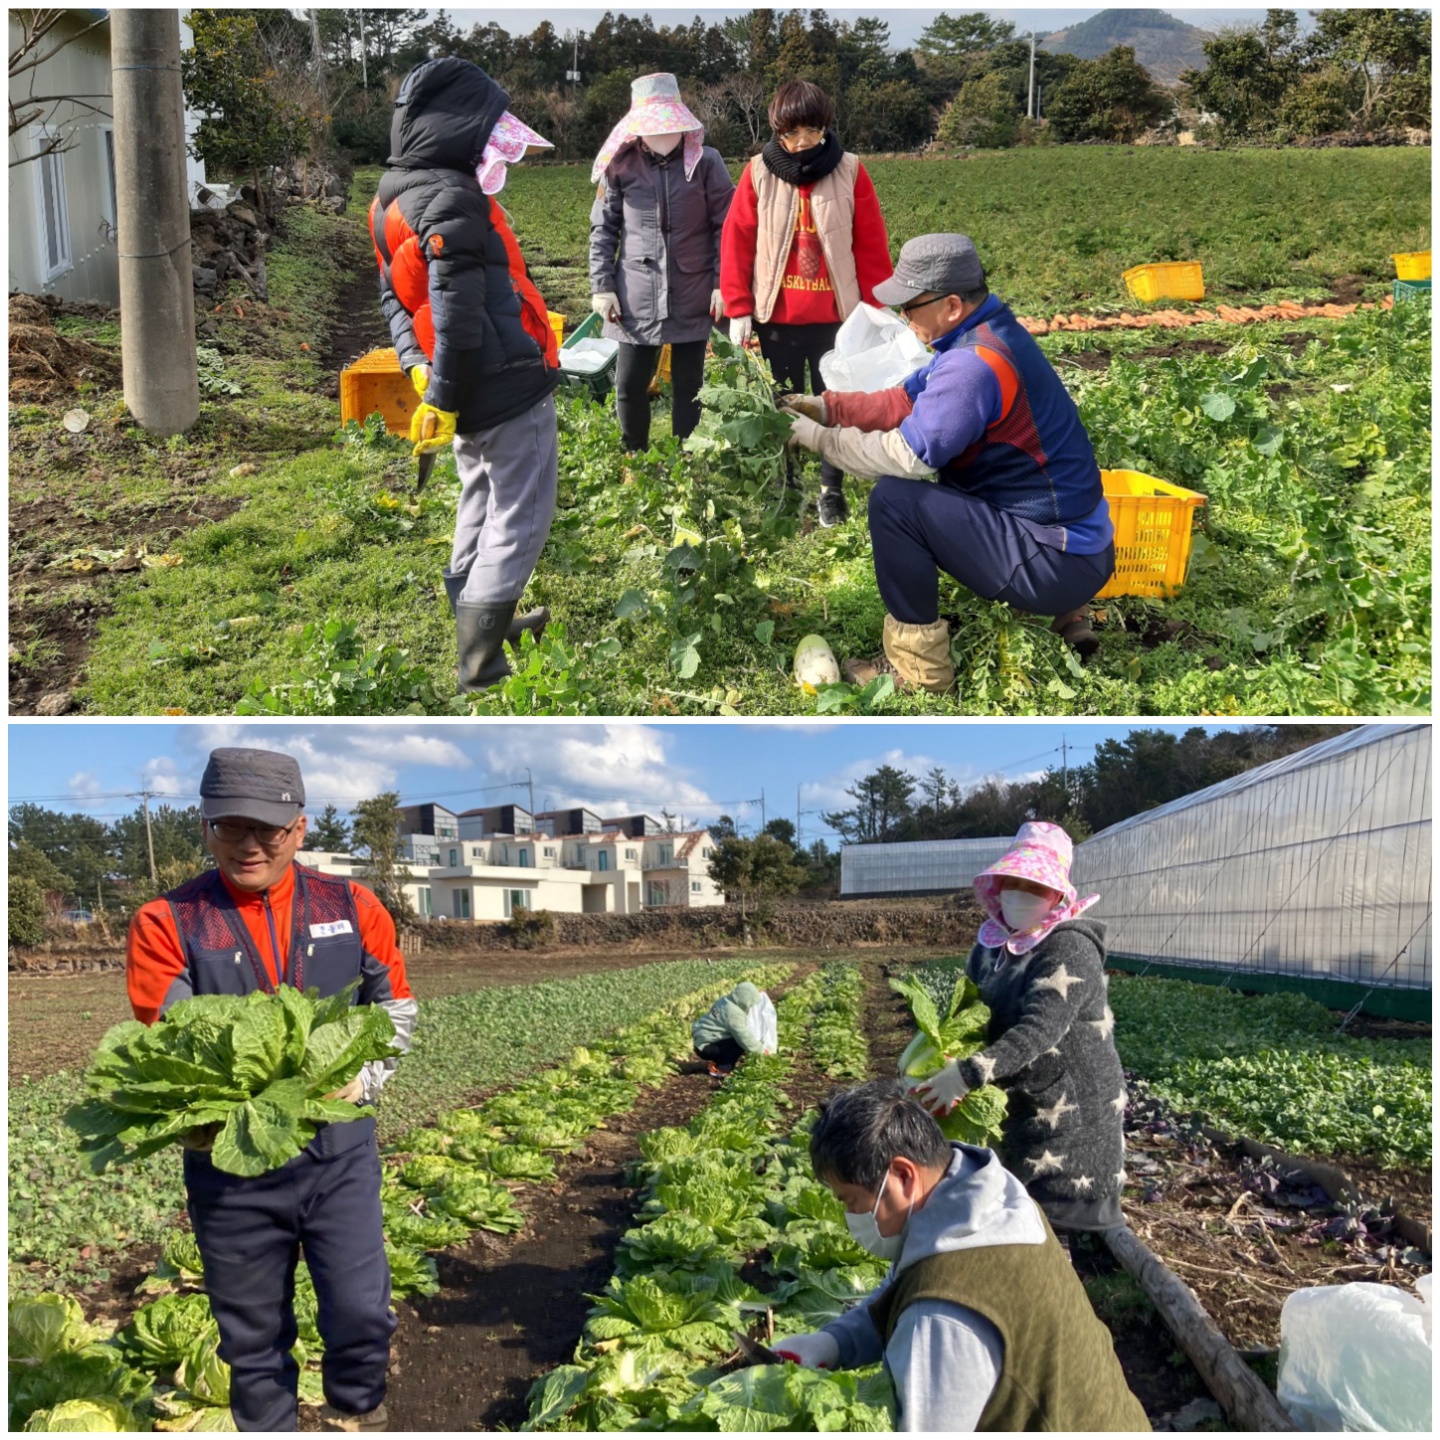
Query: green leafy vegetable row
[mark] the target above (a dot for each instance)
(837, 1039)
(729, 1185)
(1275, 1068)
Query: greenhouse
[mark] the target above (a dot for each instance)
(916, 867)
(1315, 866)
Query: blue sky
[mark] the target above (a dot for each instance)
(697, 770)
(905, 23)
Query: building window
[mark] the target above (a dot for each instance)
(654, 894)
(580, 855)
(517, 900)
(629, 854)
(477, 852)
(604, 862)
(454, 858)
(425, 907)
(694, 887)
(667, 854)
(52, 213)
(524, 859)
(460, 904)
(434, 857)
(706, 853)
(549, 852)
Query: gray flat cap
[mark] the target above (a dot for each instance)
(933, 264)
(260, 785)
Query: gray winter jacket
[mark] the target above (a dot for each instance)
(655, 242)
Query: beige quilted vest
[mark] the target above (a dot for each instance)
(778, 207)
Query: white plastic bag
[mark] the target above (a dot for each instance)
(874, 350)
(1356, 1357)
(767, 1024)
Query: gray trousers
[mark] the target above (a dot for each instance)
(508, 478)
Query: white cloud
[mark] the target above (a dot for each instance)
(162, 775)
(84, 785)
(829, 793)
(615, 769)
(409, 749)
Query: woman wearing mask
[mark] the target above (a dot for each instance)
(1041, 970)
(804, 244)
(471, 331)
(655, 251)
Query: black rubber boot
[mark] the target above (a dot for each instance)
(480, 639)
(534, 620)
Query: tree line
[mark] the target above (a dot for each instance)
(277, 84)
(1124, 778)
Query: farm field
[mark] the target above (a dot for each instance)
(490, 1322)
(258, 565)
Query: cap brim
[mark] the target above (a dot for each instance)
(237, 807)
(896, 292)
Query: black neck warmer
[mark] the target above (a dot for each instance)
(805, 167)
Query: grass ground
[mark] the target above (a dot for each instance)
(308, 574)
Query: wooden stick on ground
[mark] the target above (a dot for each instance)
(1239, 1391)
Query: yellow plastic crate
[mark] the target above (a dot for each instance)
(376, 382)
(1412, 266)
(557, 324)
(1167, 280)
(1152, 521)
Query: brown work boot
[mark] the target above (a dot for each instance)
(333, 1419)
(915, 657)
(860, 673)
(1074, 629)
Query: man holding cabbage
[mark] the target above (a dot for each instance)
(982, 1323)
(256, 922)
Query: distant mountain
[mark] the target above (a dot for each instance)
(1163, 45)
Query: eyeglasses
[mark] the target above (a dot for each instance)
(267, 836)
(908, 309)
(803, 132)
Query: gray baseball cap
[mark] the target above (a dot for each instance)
(933, 264)
(260, 785)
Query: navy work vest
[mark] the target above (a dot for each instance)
(326, 954)
(1037, 461)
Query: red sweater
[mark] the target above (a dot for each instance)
(806, 296)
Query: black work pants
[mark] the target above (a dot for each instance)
(724, 1053)
(634, 370)
(251, 1233)
(789, 349)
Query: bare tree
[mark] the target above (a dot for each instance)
(43, 34)
(749, 100)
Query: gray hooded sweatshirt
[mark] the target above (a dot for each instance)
(944, 1359)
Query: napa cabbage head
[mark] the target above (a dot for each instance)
(102, 1413)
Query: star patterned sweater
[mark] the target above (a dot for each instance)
(1052, 1049)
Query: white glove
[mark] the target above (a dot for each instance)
(943, 1091)
(740, 328)
(606, 305)
(819, 1351)
(804, 431)
(717, 306)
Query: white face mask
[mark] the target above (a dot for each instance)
(662, 144)
(865, 1230)
(1022, 910)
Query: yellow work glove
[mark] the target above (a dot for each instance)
(441, 429)
(420, 378)
(811, 406)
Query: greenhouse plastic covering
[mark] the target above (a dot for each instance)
(1315, 865)
(919, 867)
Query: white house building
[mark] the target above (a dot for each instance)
(461, 871)
(63, 237)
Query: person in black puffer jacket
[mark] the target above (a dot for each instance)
(1041, 970)
(473, 333)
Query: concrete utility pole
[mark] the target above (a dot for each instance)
(149, 836)
(157, 288)
(1030, 99)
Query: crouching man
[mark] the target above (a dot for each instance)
(982, 1323)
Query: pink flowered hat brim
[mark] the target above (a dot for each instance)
(653, 114)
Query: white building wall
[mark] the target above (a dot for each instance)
(917, 867)
(1314, 865)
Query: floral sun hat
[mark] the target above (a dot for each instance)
(655, 109)
(509, 141)
(1041, 854)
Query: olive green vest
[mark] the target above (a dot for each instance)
(1059, 1370)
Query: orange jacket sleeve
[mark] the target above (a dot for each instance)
(737, 249)
(154, 961)
(882, 410)
(871, 244)
(384, 980)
